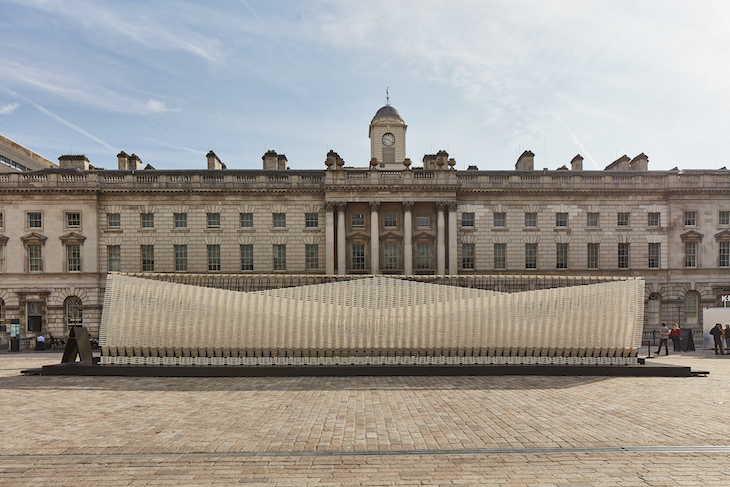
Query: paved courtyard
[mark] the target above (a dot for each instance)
(567, 431)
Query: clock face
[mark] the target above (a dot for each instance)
(388, 140)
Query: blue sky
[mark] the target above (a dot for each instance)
(484, 80)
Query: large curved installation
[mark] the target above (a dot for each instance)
(151, 319)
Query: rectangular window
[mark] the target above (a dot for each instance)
(35, 220)
(279, 220)
(561, 256)
(180, 220)
(147, 220)
(690, 218)
(561, 219)
(113, 220)
(623, 255)
(467, 220)
(214, 220)
(114, 258)
(468, 256)
(73, 258)
(592, 220)
(500, 256)
(724, 254)
(530, 256)
(390, 257)
(530, 219)
(311, 220)
(423, 256)
(723, 220)
(35, 258)
(500, 219)
(690, 254)
(246, 220)
(390, 220)
(358, 220)
(311, 257)
(358, 257)
(279, 257)
(593, 249)
(423, 220)
(147, 254)
(2, 261)
(653, 219)
(2, 219)
(623, 219)
(246, 256)
(655, 251)
(180, 253)
(73, 220)
(214, 258)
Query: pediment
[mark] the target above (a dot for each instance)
(34, 238)
(391, 237)
(723, 236)
(72, 238)
(3, 239)
(692, 236)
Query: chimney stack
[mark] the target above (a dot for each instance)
(577, 163)
(526, 162)
(74, 162)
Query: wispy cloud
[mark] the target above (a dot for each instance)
(9, 108)
(177, 147)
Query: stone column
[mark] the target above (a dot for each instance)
(341, 244)
(453, 249)
(329, 237)
(440, 239)
(374, 238)
(408, 237)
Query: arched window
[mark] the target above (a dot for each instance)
(652, 309)
(74, 315)
(691, 307)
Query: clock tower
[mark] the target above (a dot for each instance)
(388, 138)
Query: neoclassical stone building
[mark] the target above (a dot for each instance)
(63, 228)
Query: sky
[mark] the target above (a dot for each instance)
(483, 80)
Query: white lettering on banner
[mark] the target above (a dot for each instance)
(725, 298)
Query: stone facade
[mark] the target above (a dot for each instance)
(62, 229)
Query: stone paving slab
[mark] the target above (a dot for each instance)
(61, 430)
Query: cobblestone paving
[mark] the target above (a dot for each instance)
(365, 430)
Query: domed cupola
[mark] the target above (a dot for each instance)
(388, 137)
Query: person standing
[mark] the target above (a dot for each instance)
(663, 337)
(716, 333)
(727, 337)
(676, 335)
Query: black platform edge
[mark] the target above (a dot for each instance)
(79, 368)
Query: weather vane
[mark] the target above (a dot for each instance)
(387, 97)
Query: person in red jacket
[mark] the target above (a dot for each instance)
(676, 335)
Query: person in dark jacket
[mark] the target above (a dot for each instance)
(717, 335)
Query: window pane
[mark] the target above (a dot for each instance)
(311, 220)
(73, 258)
(530, 256)
(562, 255)
(390, 257)
(653, 219)
(500, 256)
(247, 257)
(724, 254)
(423, 256)
(246, 220)
(690, 218)
(593, 255)
(390, 220)
(623, 256)
(74, 315)
(180, 220)
(623, 220)
(73, 220)
(214, 257)
(113, 220)
(147, 220)
(530, 219)
(214, 220)
(35, 220)
(724, 218)
(279, 220)
(312, 257)
(654, 255)
(500, 219)
(280, 257)
(35, 258)
(358, 220)
(690, 254)
(592, 220)
(468, 256)
(561, 219)
(181, 258)
(358, 257)
(147, 253)
(422, 220)
(467, 220)
(652, 309)
(690, 308)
